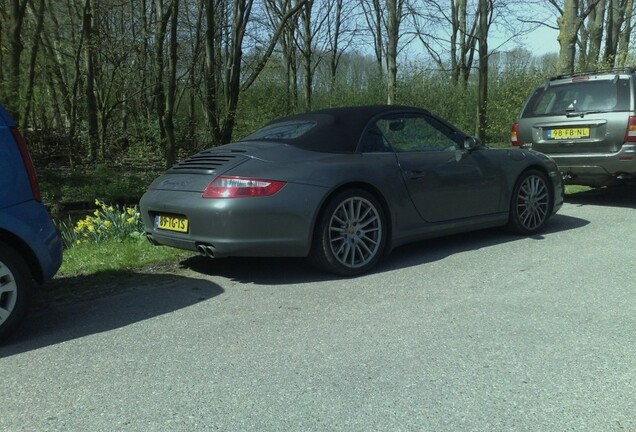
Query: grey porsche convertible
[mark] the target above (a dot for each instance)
(344, 186)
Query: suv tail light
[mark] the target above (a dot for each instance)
(28, 163)
(241, 187)
(514, 137)
(630, 134)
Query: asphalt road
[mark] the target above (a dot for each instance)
(479, 332)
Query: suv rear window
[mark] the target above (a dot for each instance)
(579, 96)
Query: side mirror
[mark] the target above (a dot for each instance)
(471, 143)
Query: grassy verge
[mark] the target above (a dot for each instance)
(116, 256)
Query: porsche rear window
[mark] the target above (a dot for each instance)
(282, 131)
(582, 96)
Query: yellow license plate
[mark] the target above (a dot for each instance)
(569, 133)
(171, 223)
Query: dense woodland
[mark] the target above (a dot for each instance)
(95, 81)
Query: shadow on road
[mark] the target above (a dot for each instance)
(101, 307)
(262, 271)
(440, 248)
(623, 195)
(284, 271)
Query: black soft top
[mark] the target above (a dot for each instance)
(335, 130)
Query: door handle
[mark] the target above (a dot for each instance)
(416, 175)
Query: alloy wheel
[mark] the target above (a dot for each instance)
(533, 202)
(8, 293)
(355, 232)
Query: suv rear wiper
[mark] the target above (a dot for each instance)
(584, 113)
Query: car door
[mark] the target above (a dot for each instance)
(445, 181)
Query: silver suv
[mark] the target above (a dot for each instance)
(586, 123)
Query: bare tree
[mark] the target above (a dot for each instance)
(373, 11)
(625, 36)
(227, 50)
(591, 36)
(394, 19)
(463, 40)
(161, 26)
(28, 99)
(313, 21)
(88, 29)
(485, 9)
(277, 9)
(168, 119)
(449, 31)
(570, 20)
(618, 12)
(16, 20)
(335, 22)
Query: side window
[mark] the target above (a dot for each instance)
(373, 141)
(417, 133)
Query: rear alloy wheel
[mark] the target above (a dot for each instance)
(350, 235)
(15, 288)
(531, 203)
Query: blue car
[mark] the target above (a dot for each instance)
(30, 245)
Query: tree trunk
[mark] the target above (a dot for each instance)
(307, 52)
(231, 56)
(616, 15)
(374, 17)
(171, 150)
(240, 17)
(161, 26)
(482, 95)
(18, 11)
(394, 15)
(335, 41)
(595, 32)
(624, 39)
(569, 23)
(568, 29)
(211, 91)
(89, 59)
(28, 100)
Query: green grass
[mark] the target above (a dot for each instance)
(116, 256)
(573, 189)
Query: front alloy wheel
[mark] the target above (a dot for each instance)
(351, 234)
(531, 204)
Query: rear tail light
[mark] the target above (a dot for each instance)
(630, 134)
(28, 163)
(241, 187)
(514, 137)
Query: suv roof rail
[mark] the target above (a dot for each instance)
(626, 69)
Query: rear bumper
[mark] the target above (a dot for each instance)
(31, 224)
(279, 225)
(596, 169)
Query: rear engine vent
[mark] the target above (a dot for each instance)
(206, 162)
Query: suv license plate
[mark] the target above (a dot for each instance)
(568, 133)
(171, 223)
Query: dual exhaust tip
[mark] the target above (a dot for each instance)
(204, 249)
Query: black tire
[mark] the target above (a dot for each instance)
(350, 235)
(531, 203)
(15, 289)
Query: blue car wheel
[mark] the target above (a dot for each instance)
(15, 289)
